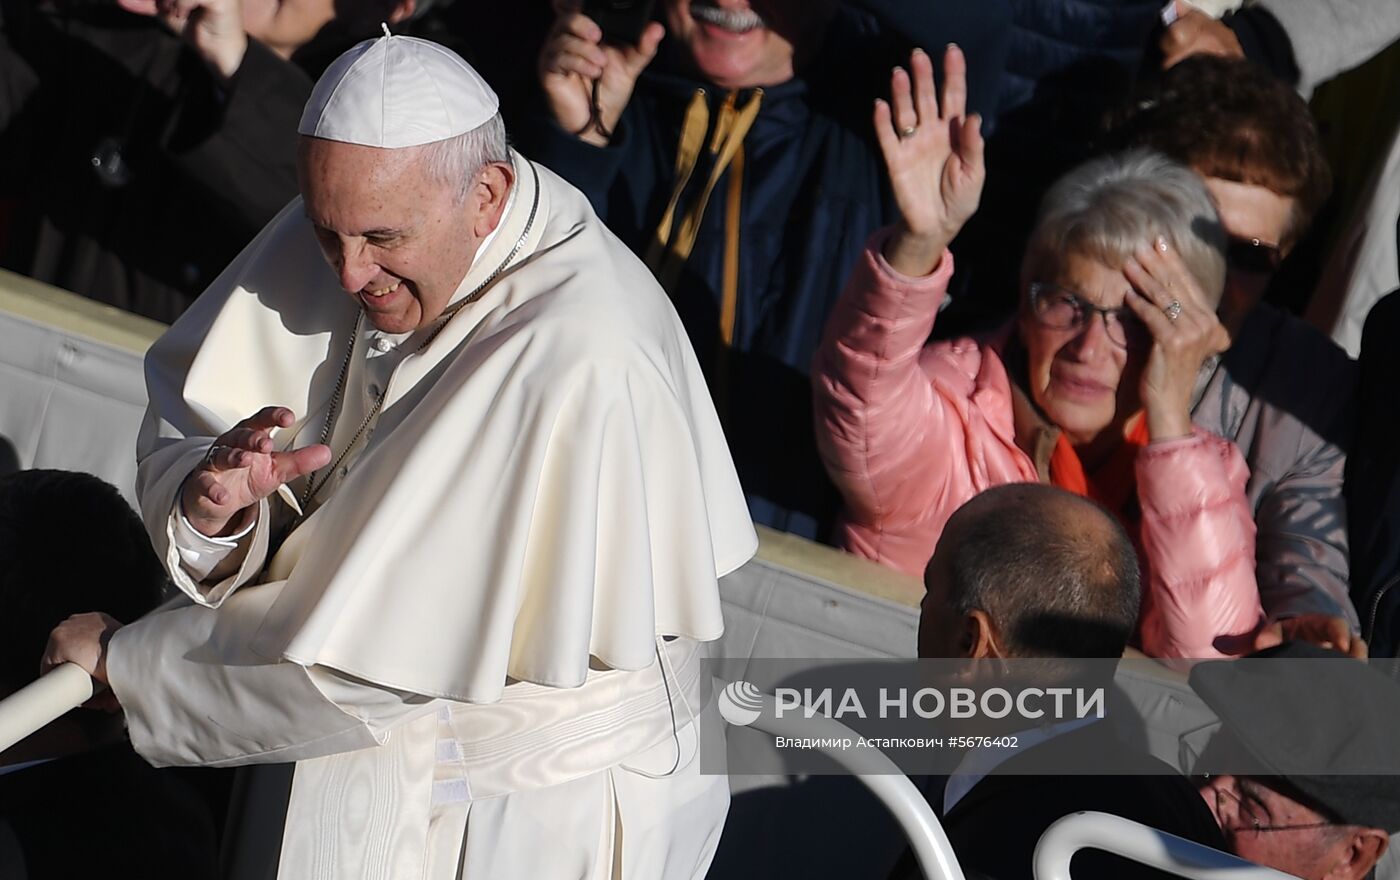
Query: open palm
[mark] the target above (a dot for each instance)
(933, 151)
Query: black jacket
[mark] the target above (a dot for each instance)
(203, 166)
(996, 825)
(106, 813)
(1373, 483)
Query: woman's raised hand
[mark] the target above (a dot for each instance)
(933, 153)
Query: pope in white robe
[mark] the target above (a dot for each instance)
(476, 624)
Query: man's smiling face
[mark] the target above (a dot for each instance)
(739, 44)
(400, 241)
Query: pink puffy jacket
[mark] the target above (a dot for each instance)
(910, 431)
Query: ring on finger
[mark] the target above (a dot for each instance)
(1172, 310)
(908, 131)
(213, 451)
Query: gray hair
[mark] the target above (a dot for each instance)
(456, 161)
(1055, 572)
(1110, 207)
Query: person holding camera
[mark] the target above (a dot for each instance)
(728, 145)
(148, 142)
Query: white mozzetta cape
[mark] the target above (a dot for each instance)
(546, 482)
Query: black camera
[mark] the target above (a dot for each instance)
(622, 21)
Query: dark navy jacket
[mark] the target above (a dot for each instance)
(813, 190)
(1067, 56)
(1069, 64)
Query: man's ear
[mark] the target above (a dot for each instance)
(979, 636)
(488, 196)
(402, 9)
(1363, 848)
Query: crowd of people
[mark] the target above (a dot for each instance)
(479, 376)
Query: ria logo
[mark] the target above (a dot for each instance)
(740, 703)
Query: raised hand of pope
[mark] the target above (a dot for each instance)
(241, 469)
(934, 155)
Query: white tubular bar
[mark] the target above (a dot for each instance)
(34, 705)
(1138, 842)
(884, 778)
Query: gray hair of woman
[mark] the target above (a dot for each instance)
(1110, 207)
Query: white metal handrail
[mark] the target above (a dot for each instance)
(31, 707)
(877, 773)
(1141, 843)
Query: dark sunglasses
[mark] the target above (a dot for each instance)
(1253, 256)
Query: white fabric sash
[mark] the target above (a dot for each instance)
(368, 813)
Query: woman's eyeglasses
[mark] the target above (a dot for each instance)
(1252, 256)
(1060, 309)
(1248, 808)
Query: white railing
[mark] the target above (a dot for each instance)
(36, 704)
(879, 774)
(1138, 842)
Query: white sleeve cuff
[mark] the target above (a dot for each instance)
(201, 554)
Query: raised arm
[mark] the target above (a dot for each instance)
(933, 153)
(1200, 599)
(874, 404)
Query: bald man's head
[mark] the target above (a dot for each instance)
(1028, 570)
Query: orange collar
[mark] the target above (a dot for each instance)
(1114, 483)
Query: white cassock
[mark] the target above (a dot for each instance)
(461, 645)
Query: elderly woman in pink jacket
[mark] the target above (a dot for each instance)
(1089, 389)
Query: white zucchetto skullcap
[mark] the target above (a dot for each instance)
(397, 92)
